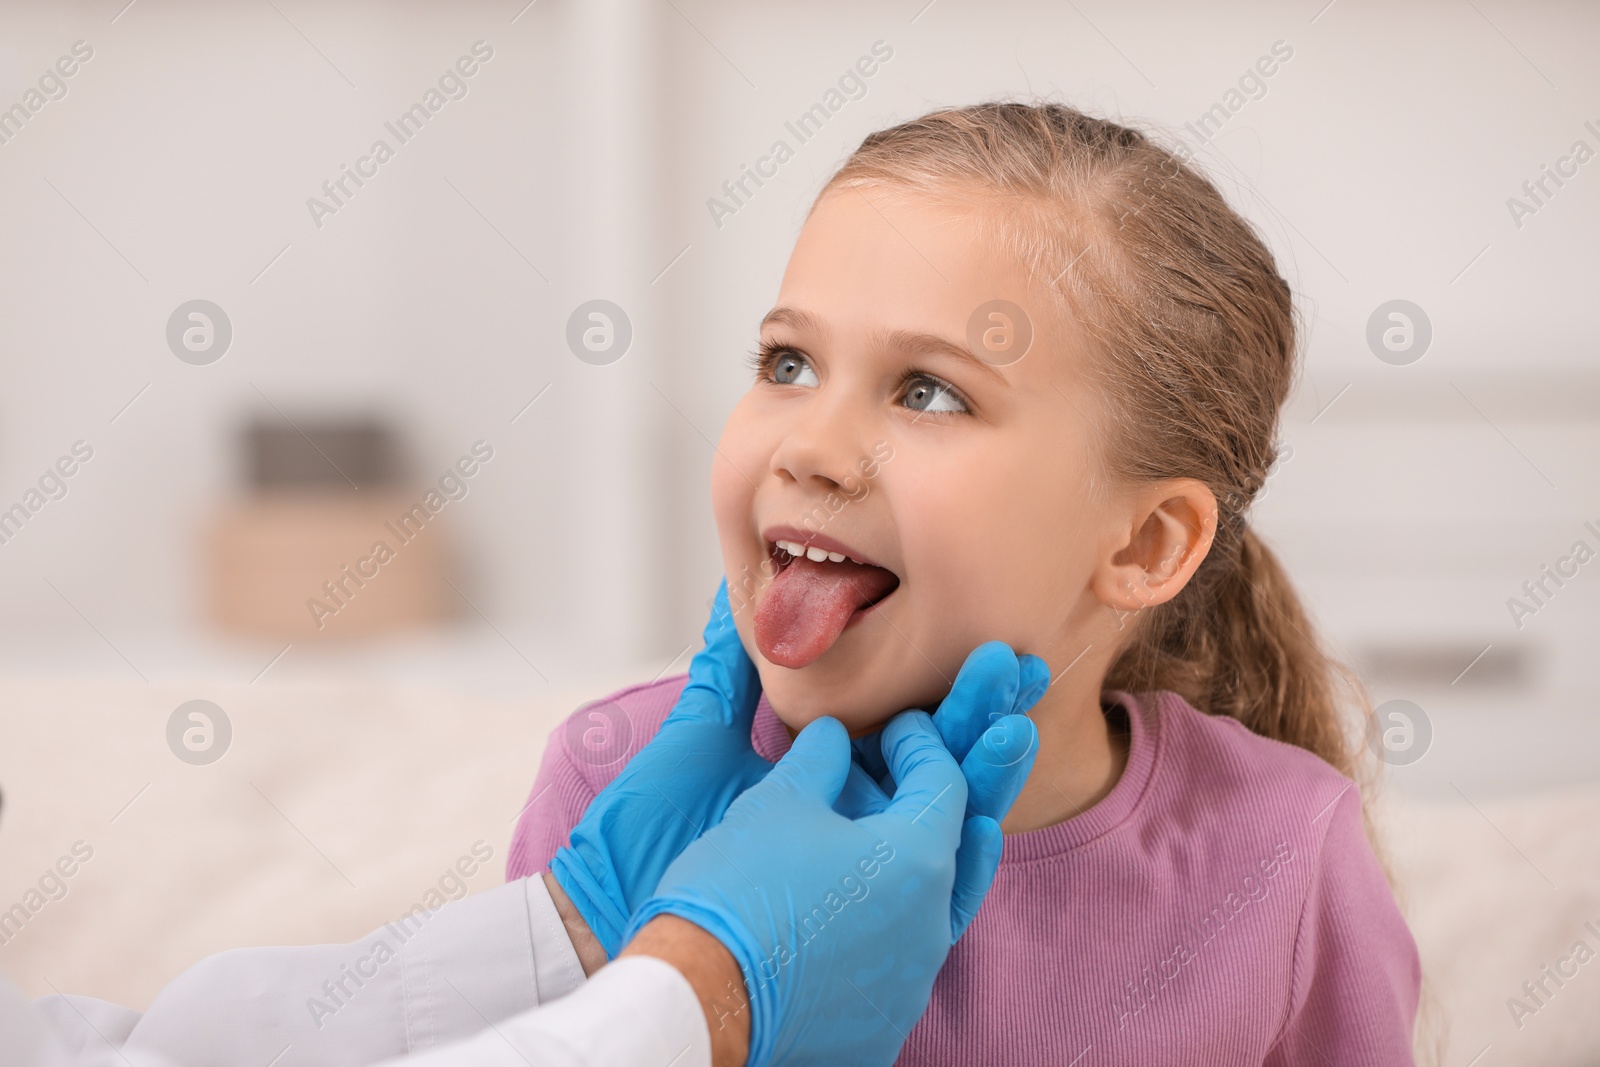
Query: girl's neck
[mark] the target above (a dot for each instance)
(1080, 759)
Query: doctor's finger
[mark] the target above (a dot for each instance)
(723, 683)
(985, 689)
(930, 792)
(998, 765)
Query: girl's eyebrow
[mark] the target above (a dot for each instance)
(909, 341)
(794, 318)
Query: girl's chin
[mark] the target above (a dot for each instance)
(795, 725)
(861, 691)
(796, 708)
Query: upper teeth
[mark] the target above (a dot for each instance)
(812, 552)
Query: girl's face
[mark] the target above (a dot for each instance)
(884, 425)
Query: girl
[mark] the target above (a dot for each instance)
(1022, 380)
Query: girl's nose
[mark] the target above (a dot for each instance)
(821, 445)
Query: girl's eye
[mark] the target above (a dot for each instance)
(791, 368)
(927, 394)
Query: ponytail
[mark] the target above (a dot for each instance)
(1237, 642)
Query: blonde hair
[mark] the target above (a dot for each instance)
(1195, 338)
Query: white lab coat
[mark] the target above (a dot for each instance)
(489, 981)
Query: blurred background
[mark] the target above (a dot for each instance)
(242, 344)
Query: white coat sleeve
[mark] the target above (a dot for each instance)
(466, 980)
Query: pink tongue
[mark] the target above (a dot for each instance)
(809, 604)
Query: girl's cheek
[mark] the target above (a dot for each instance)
(725, 486)
(748, 439)
(735, 460)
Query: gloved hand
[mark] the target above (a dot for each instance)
(840, 925)
(675, 788)
(983, 721)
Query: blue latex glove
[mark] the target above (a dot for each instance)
(675, 788)
(983, 721)
(840, 925)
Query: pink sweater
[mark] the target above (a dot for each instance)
(1220, 906)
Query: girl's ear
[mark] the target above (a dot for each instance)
(1170, 530)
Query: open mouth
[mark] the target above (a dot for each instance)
(822, 588)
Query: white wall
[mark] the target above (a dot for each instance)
(191, 142)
